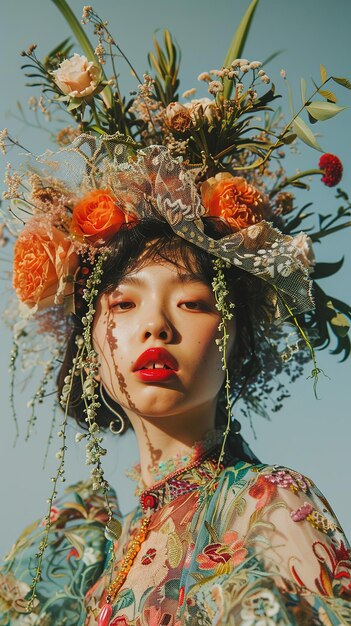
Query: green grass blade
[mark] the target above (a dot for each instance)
(237, 44)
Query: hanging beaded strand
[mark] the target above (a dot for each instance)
(221, 292)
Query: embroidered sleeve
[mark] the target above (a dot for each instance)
(275, 555)
(72, 562)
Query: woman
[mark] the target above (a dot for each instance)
(162, 263)
(217, 537)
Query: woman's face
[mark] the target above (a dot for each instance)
(155, 337)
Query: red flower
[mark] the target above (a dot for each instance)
(332, 168)
(263, 490)
(181, 595)
(149, 556)
(216, 554)
(73, 552)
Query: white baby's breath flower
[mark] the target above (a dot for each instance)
(245, 68)
(189, 92)
(265, 79)
(261, 73)
(3, 135)
(254, 65)
(215, 87)
(204, 76)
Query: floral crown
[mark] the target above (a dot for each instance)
(119, 185)
(154, 156)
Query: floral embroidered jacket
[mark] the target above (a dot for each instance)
(259, 546)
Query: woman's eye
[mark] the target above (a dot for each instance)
(194, 306)
(123, 306)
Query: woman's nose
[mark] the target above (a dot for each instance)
(158, 326)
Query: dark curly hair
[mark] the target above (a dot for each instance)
(129, 249)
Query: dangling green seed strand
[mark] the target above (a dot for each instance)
(223, 306)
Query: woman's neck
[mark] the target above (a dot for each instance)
(171, 440)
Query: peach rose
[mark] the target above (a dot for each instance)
(178, 117)
(44, 257)
(203, 108)
(306, 256)
(77, 77)
(233, 199)
(97, 216)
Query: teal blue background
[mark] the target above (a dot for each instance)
(312, 436)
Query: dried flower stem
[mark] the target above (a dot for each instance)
(315, 370)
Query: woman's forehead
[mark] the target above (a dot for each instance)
(163, 270)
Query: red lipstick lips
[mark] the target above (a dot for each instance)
(145, 369)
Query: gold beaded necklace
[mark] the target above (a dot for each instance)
(127, 562)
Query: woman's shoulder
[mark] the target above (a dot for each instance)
(264, 489)
(247, 474)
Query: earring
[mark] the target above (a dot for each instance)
(116, 426)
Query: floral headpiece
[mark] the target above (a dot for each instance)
(118, 186)
(179, 162)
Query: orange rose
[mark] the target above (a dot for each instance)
(43, 259)
(97, 216)
(233, 199)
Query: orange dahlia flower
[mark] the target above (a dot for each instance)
(44, 257)
(97, 216)
(233, 199)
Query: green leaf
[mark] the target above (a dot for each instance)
(125, 598)
(76, 28)
(305, 134)
(171, 588)
(290, 99)
(303, 86)
(98, 129)
(323, 73)
(322, 111)
(169, 47)
(74, 103)
(289, 138)
(161, 59)
(323, 270)
(153, 61)
(61, 46)
(237, 44)
(342, 81)
(299, 184)
(339, 323)
(329, 95)
(271, 57)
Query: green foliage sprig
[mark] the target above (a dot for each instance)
(224, 306)
(60, 475)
